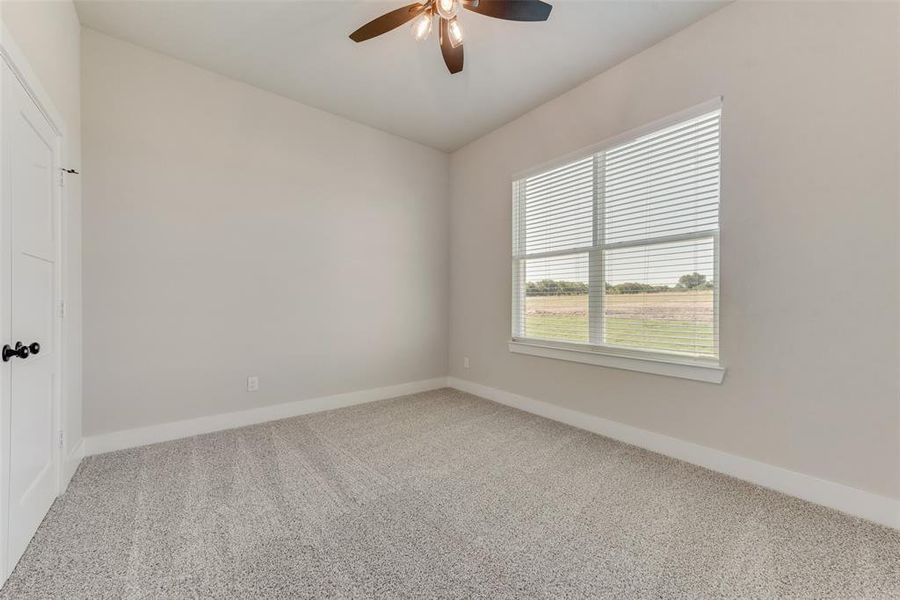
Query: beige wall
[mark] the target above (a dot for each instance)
(48, 33)
(232, 232)
(809, 254)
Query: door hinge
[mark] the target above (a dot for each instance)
(62, 175)
(62, 438)
(62, 310)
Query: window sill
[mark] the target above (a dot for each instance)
(658, 365)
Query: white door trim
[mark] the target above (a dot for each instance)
(17, 62)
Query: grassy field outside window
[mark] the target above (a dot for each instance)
(672, 321)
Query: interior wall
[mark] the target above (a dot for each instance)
(231, 232)
(809, 238)
(48, 34)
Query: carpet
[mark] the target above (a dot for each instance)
(436, 495)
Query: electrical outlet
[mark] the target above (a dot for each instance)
(465, 362)
(252, 383)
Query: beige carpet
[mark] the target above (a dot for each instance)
(436, 495)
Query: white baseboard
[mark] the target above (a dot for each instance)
(853, 501)
(70, 465)
(130, 438)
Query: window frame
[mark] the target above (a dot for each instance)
(661, 362)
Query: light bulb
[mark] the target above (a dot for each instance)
(454, 32)
(421, 27)
(446, 8)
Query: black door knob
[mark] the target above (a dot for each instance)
(35, 348)
(20, 350)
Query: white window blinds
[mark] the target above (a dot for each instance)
(619, 248)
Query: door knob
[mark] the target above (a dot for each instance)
(35, 348)
(20, 350)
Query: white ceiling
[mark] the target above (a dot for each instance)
(300, 49)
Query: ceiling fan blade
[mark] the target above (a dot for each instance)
(452, 56)
(387, 21)
(512, 10)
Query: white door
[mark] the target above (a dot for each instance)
(28, 282)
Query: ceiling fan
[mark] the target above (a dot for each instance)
(450, 32)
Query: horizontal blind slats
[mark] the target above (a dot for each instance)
(661, 138)
(676, 186)
(697, 220)
(639, 289)
(615, 187)
(574, 178)
(657, 212)
(559, 208)
(562, 204)
(559, 171)
(700, 192)
(661, 172)
(697, 141)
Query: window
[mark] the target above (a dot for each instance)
(616, 251)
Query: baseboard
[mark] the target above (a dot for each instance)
(70, 465)
(853, 501)
(131, 438)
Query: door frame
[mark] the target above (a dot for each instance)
(15, 59)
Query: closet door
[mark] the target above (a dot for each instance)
(28, 280)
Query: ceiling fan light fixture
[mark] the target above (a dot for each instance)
(421, 27)
(421, 14)
(454, 32)
(447, 9)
